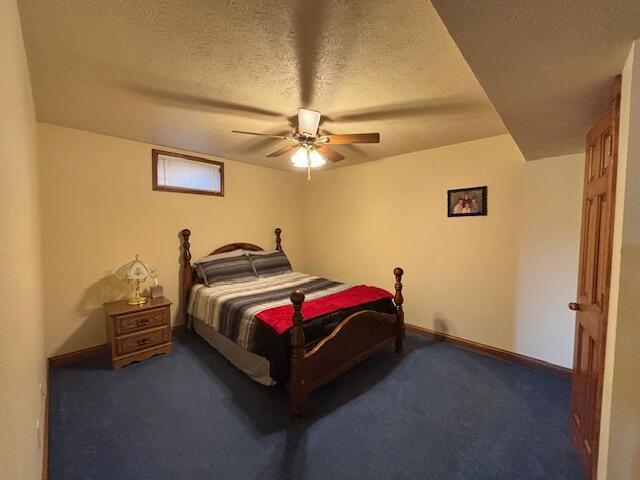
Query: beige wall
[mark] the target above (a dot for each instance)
(502, 280)
(99, 211)
(620, 431)
(22, 360)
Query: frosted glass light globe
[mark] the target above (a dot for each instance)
(304, 158)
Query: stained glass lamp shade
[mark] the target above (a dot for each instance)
(136, 272)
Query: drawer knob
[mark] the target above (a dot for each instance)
(142, 322)
(143, 341)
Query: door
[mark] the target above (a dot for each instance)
(592, 301)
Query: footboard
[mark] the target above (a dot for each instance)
(353, 340)
(357, 337)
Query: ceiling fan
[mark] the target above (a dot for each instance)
(312, 149)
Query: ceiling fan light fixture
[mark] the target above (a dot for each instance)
(315, 159)
(313, 148)
(307, 158)
(300, 159)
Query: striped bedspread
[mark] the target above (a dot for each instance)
(232, 309)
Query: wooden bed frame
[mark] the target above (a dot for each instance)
(353, 340)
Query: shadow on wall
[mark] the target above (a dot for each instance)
(90, 308)
(440, 323)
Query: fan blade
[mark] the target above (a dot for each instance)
(351, 147)
(329, 153)
(283, 150)
(308, 121)
(353, 138)
(262, 134)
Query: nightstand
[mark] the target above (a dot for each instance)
(137, 332)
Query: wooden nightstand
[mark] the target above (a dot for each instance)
(136, 332)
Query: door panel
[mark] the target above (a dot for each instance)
(593, 283)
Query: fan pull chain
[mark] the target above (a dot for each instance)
(309, 172)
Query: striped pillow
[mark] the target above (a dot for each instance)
(267, 264)
(226, 270)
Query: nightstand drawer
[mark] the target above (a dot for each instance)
(142, 340)
(138, 332)
(141, 321)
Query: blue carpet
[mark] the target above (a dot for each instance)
(437, 412)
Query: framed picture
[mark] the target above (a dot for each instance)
(467, 202)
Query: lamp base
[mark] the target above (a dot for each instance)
(137, 300)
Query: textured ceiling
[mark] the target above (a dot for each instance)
(546, 65)
(185, 73)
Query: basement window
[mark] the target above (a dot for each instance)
(176, 172)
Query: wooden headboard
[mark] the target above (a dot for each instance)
(188, 271)
(235, 246)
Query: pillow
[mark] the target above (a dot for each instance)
(216, 256)
(271, 263)
(225, 269)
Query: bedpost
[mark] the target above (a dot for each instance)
(398, 299)
(297, 387)
(278, 231)
(187, 275)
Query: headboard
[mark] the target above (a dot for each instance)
(235, 246)
(188, 271)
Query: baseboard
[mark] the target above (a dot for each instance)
(493, 351)
(77, 355)
(181, 327)
(71, 357)
(45, 427)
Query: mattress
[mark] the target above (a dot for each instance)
(233, 310)
(254, 366)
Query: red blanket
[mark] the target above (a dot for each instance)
(279, 318)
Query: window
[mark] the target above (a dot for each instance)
(175, 172)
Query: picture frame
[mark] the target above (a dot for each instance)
(467, 202)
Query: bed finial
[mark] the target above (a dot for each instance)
(187, 278)
(278, 231)
(297, 390)
(186, 233)
(398, 299)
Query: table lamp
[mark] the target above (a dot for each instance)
(136, 272)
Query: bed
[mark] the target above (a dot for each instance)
(259, 323)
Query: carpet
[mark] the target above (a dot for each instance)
(435, 412)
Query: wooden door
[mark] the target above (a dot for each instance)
(593, 282)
